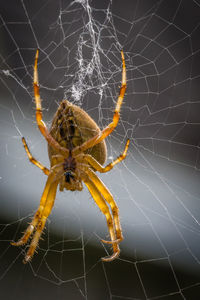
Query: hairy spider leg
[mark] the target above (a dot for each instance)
(105, 210)
(42, 221)
(30, 229)
(41, 124)
(98, 167)
(33, 160)
(106, 131)
(109, 198)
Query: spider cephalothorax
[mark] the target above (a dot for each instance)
(77, 149)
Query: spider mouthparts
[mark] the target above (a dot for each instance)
(68, 175)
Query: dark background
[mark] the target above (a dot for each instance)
(156, 188)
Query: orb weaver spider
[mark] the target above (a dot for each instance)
(77, 149)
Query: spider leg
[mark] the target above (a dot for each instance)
(33, 160)
(105, 210)
(109, 198)
(23, 240)
(42, 221)
(106, 131)
(41, 124)
(98, 167)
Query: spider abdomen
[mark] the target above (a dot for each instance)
(71, 127)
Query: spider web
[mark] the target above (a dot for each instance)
(156, 187)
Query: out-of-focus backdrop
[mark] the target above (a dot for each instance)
(157, 187)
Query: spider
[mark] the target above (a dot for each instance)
(77, 149)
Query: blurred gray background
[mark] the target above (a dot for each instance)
(156, 187)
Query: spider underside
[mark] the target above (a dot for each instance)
(77, 149)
